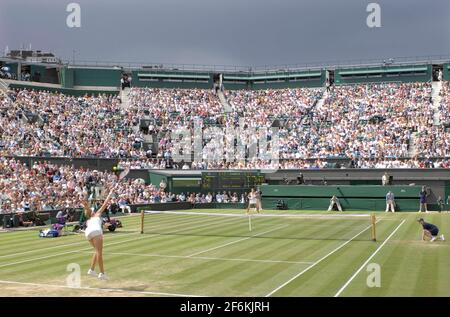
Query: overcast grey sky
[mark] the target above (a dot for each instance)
(228, 32)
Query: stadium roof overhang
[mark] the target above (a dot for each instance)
(160, 75)
(264, 77)
(24, 62)
(380, 70)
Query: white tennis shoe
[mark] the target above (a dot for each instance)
(92, 273)
(102, 276)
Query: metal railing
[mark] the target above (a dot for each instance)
(3, 85)
(410, 60)
(313, 65)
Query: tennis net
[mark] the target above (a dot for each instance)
(360, 227)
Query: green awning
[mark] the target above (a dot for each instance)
(266, 77)
(380, 70)
(173, 76)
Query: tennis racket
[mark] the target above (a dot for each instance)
(124, 173)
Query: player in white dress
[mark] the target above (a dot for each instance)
(252, 201)
(94, 234)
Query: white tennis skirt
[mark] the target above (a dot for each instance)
(93, 234)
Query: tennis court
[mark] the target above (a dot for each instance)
(214, 253)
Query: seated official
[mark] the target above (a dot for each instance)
(334, 204)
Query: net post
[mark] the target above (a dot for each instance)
(373, 222)
(142, 221)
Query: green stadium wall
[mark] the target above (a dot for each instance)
(405, 73)
(66, 77)
(362, 197)
(446, 199)
(100, 77)
(446, 71)
(58, 88)
(170, 79)
(12, 66)
(279, 80)
(155, 179)
(71, 77)
(46, 74)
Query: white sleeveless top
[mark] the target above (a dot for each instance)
(93, 224)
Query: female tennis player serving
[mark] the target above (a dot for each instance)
(94, 234)
(94, 229)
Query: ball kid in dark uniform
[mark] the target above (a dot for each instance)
(429, 230)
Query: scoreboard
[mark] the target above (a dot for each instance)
(231, 181)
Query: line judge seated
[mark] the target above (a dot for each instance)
(334, 204)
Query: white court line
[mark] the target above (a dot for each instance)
(42, 249)
(36, 228)
(365, 263)
(313, 216)
(68, 252)
(206, 258)
(196, 222)
(317, 262)
(235, 241)
(101, 289)
(82, 242)
(107, 244)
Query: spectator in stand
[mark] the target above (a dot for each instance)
(219, 198)
(162, 185)
(61, 217)
(371, 124)
(36, 188)
(124, 205)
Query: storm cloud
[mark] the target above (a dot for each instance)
(228, 32)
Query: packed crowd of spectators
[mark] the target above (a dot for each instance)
(5, 73)
(173, 109)
(45, 186)
(434, 141)
(290, 164)
(368, 121)
(406, 163)
(371, 124)
(219, 197)
(259, 108)
(444, 107)
(176, 105)
(40, 123)
(287, 107)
